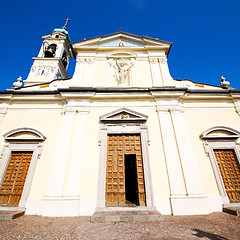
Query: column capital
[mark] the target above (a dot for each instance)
(80, 60)
(153, 60)
(90, 60)
(163, 60)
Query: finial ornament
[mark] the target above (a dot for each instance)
(18, 84)
(67, 20)
(224, 84)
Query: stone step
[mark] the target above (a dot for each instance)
(232, 210)
(9, 215)
(126, 216)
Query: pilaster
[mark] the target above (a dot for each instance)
(187, 196)
(155, 70)
(61, 155)
(167, 79)
(75, 171)
(176, 181)
(83, 75)
(88, 76)
(77, 79)
(186, 152)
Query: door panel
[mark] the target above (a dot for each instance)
(229, 168)
(14, 180)
(118, 146)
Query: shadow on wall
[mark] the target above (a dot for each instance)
(207, 235)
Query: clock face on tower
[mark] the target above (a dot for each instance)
(42, 70)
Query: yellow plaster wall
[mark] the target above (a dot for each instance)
(143, 74)
(101, 74)
(47, 122)
(199, 121)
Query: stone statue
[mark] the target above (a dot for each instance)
(123, 67)
(18, 84)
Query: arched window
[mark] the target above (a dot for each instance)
(17, 164)
(221, 144)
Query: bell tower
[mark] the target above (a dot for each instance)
(53, 58)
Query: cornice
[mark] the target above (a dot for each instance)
(158, 92)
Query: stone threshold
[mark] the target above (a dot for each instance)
(232, 208)
(126, 214)
(9, 213)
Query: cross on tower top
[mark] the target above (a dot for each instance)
(121, 29)
(67, 20)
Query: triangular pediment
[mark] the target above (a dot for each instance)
(121, 39)
(123, 115)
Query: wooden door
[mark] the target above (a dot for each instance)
(229, 168)
(118, 146)
(14, 180)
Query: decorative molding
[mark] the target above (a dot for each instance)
(220, 132)
(88, 60)
(18, 133)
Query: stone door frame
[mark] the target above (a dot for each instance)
(226, 139)
(21, 144)
(124, 128)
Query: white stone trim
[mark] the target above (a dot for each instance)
(126, 128)
(18, 145)
(230, 133)
(9, 136)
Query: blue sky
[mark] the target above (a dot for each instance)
(205, 33)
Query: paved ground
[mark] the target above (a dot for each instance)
(220, 226)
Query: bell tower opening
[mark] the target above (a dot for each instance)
(50, 51)
(131, 185)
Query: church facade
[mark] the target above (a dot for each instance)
(121, 133)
